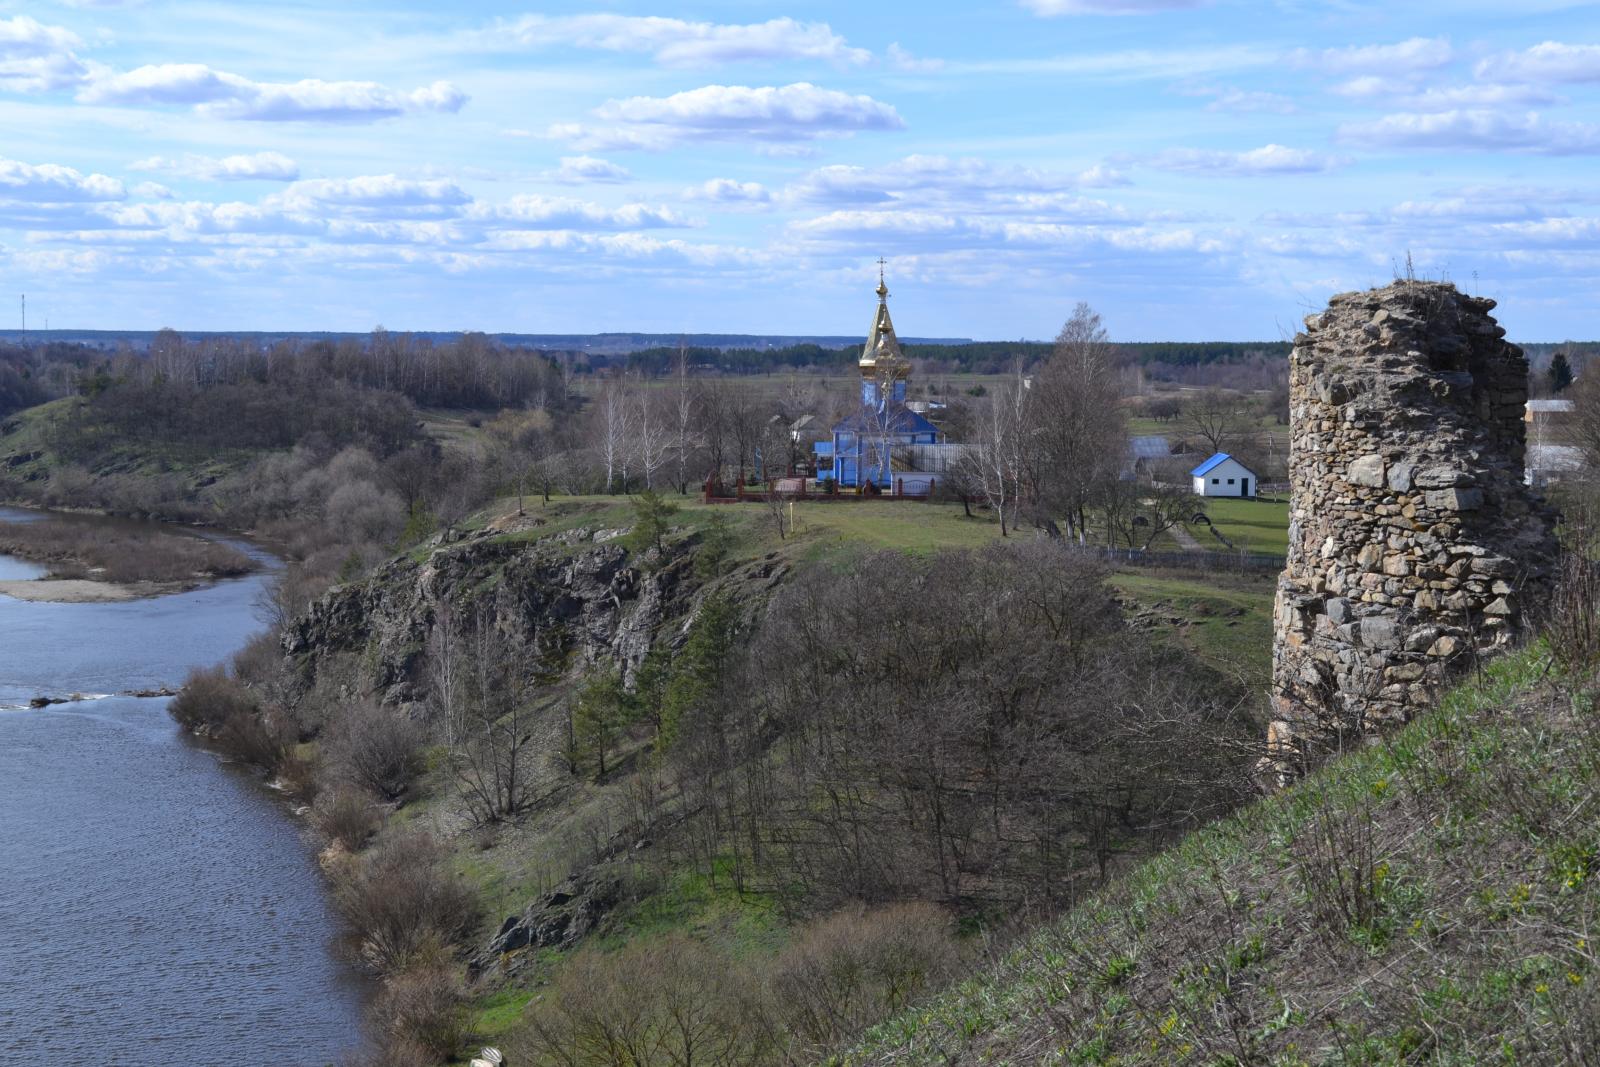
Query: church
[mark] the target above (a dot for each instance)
(863, 450)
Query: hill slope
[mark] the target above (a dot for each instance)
(1432, 899)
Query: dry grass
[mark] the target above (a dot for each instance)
(1433, 899)
(112, 554)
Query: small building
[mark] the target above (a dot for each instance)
(1544, 413)
(1222, 475)
(871, 447)
(1548, 464)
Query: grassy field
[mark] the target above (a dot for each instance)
(1251, 525)
(1224, 619)
(1428, 900)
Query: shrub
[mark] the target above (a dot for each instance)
(666, 1001)
(376, 749)
(857, 967)
(210, 698)
(256, 738)
(423, 1009)
(403, 905)
(346, 818)
(1573, 618)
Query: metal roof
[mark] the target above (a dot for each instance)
(1214, 462)
(1149, 447)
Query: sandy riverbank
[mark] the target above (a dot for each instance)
(82, 591)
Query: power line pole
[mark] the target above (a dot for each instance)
(24, 312)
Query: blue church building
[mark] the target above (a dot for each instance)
(863, 446)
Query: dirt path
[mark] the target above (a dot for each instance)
(1185, 539)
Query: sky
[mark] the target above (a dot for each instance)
(1193, 169)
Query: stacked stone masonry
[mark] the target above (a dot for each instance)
(1413, 544)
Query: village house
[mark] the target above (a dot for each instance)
(1222, 475)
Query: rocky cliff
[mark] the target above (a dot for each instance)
(571, 600)
(1413, 544)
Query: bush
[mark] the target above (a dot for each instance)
(209, 699)
(1572, 622)
(666, 1001)
(423, 1010)
(403, 905)
(857, 967)
(376, 749)
(255, 738)
(346, 818)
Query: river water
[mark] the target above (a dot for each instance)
(157, 906)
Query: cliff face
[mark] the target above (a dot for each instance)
(1413, 544)
(572, 601)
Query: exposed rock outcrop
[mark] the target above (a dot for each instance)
(1413, 544)
(570, 601)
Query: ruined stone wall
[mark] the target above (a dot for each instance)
(1413, 544)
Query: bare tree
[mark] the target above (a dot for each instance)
(494, 757)
(991, 466)
(1077, 442)
(684, 411)
(652, 435)
(613, 415)
(1217, 418)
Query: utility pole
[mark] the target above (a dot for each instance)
(24, 312)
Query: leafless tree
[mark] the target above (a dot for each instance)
(652, 434)
(992, 465)
(1077, 444)
(685, 414)
(1218, 418)
(494, 758)
(613, 418)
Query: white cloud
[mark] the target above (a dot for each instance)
(729, 191)
(48, 183)
(676, 42)
(531, 212)
(1050, 8)
(1272, 159)
(151, 191)
(377, 193)
(22, 37)
(1475, 130)
(37, 58)
(230, 96)
(798, 112)
(938, 175)
(1240, 100)
(259, 166)
(1101, 176)
(585, 170)
(1417, 53)
(1375, 87)
(902, 60)
(1551, 61)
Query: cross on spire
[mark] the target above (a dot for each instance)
(883, 289)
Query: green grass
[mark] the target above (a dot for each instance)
(1226, 620)
(1466, 849)
(1251, 525)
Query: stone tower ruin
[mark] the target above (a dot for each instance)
(1413, 545)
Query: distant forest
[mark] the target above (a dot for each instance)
(973, 357)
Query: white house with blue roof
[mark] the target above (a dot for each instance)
(1222, 475)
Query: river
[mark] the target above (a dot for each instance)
(157, 906)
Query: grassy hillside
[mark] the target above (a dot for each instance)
(27, 459)
(1430, 899)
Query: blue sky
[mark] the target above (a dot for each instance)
(1192, 169)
